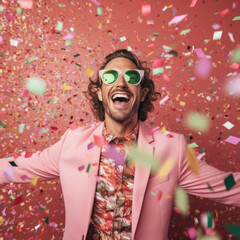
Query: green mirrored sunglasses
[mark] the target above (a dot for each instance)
(131, 76)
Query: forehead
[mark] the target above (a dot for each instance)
(121, 63)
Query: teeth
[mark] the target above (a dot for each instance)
(120, 95)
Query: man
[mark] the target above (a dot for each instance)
(106, 195)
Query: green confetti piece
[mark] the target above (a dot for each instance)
(68, 42)
(181, 201)
(158, 70)
(13, 163)
(153, 193)
(76, 55)
(21, 128)
(46, 220)
(2, 124)
(209, 187)
(36, 85)
(203, 150)
(78, 64)
(2, 8)
(88, 168)
(1, 55)
(156, 34)
(192, 145)
(12, 197)
(52, 114)
(43, 207)
(19, 11)
(229, 182)
(234, 229)
(184, 32)
(99, 11)
(123, 39)
(59, 26)
(99, 186)
(209, 215)
(236, 18)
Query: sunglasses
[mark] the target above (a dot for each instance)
(131, 76)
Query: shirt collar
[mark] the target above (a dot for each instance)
(110, 136)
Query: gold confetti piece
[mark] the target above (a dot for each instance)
(34, 180)
(181, 201)
(89, 72)
(193, 160)
(165, 168)
(66, 87)
(1, 220)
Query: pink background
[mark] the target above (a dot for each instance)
(41, 52)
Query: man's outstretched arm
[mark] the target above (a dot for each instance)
(210, 182)
(42, 165)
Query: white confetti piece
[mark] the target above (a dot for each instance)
(217, 35)
(231, 37)
(181, 201)
(164, 100)
(59, 26)
(36, 85)
(13, 42)
(228, 125)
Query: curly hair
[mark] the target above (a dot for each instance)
(145, 106)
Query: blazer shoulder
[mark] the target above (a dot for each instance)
(158, 133)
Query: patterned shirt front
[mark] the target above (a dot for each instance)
(112, 210)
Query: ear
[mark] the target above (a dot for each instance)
(144, 92)
(99, 93)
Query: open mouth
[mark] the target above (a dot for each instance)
(120, 98)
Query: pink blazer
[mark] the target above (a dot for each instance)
(150, 219)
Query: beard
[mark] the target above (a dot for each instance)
(119, 116)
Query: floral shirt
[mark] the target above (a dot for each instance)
(112, 210)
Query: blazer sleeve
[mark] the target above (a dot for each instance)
(44, 164)
(208, 175)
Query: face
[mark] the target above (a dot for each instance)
(113, 96)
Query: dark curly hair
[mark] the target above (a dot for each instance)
(145, 106)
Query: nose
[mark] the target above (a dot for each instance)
(121, 82)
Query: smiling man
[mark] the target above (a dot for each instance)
(107, 196)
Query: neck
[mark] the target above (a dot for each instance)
(121, 129)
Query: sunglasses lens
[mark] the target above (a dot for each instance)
(110, 76)
(132, 77)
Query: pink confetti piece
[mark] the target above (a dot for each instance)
(26, 4)
(203, 68)
(177, 19)
(24, 93)
(90, 145)
(193, 3)
(98, 140)
(164, 100)
(159, 195)
(98, 179)
(8, 173)
(68, 36)
(73, 126)
(115, 155)
(192, 232)
(153, 129)
(24, 177)
(81, 168)
(234, 66)
(224, 12)
(146, 10)
(199, 53)
(1, 40)
(233, 140)
(157, 63)
(166, 78)
(151, 46)
(96, 2)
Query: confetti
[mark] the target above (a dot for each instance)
(228, 125)
(181, 201)
(197, 121)
(164, 100)
(165, 168)
(34, 180)
(66, 87)
(99, 11)
(236, 18)
(217, 35)
(203, 68)
(146, 10)
(21, 128)
(36, 85)
(192, 232)
(229, 182)
(8, 173)
(193, 161)
(88, 168)
(26, 4)
(89, 72)
(234, 229)
(143, 158)
(96, 2)
(13, 42)
(199, 53)
(13, 163)
(177, 19)
(98, 140)
(159, 195)
(59, 26)
(233, 140)
(193, 3)
(117, 156)
(81, 168)
(123, 39)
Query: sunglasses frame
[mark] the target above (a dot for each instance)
(141, 73)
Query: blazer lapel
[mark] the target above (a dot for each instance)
(141, 175)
